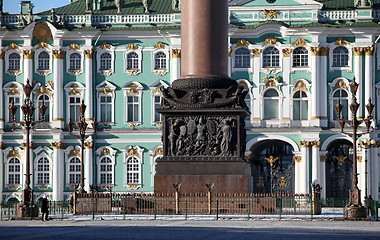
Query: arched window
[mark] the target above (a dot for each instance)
(340, 57)
(75, 61)
(300, 57)
(271, 98)
(159, 61)
(105, 61)
(74, 170)
(43, 61)
(14, 171)
(106, 173)
(133, 170)
(271, 57)
(132, 61)
(43, 171)
(300, 106)
(14, 61)
(43, 99)
(242, 58)
(343, 96)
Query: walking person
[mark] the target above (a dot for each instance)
(45, 208)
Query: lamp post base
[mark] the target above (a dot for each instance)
(27, 211)
(355, 212)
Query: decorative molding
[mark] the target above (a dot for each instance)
(359, 158)
(297, 159)
(1, 54)
(300, 85)
(133, 152)
(13, 91)
(23, 145)
(133, 124)
(286, 52)
(43, 72)
(341, 84)
(324, 51)
(58, 145)
(43, 90)
(159, 45)
(88, 145)
(43, 45)
(14, 187)
(270, 13)
(58, 54)
(133, 186)
(369, 51)
(13, 153)
(74, 46)
(242, 43)
(300, 42)
(74, 153)
(13, 46)
(105, 46)
(316, 144)
(160, 151)
(341, 42)
(105, 151)
(88, 53)
(271, 160)
(51, 84)
(42, 31)
(271, 40)
(105, 90)
(1, 145)
(14, 72)
(319, 51)
(176, 53)
(256, 52)
(341, 159)
(28, 54)
(161, 72)
(358, 51)
(230, 52)
(132, 46)
(307, 144)
(323, 158)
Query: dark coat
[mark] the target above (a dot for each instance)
(44, 205)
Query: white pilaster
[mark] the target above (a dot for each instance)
(88, 166)
(297, 171)
(175, 69)
(256, 84)
(1, 92)
(89, 93)
(368, 75)
(322, 180)
(286, 90)
(376, 173)
(58, 170)
(28, 65)
(323, 99)
(362, 167)
(304, 170)
(315, 160)
(315, 86)
(358, 73)
(58, 110)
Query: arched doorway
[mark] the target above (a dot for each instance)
(338, 169)
(272, 167)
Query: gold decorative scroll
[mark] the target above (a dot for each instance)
(133, 152)
(14, 91)
(286, 52)
(133, 46)
(88, 145)
(105, 90)
(176, 53)
(341, 160)
(270, 13)
(74, 46)
(159, 45)
(1, 54)
(74, 153)
(300, 42)
(58, 145)
(242, 43)
(323, 158)
(271, 40)
(42, 31)
(13, 153)
(133, 91)
(229, 52)
(157, 90)
(297, 159)
(105, 46)
(270, 83)
(341, 42)
(43, 90)
(341, 84)
(256, 52)
(300, 85)
(160, 151)
(51, 84)
(43, 45)
(88, 53)
(105, 151)
(28, 54)
(58, 54)
(13, 46)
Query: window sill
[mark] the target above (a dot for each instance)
(14, 187)
(133, 186)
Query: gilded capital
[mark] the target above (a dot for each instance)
(369, 51)
(286, 52)
(1, 54)
(306, 144)
(58, 145)
(323, 158)
(58, 54)
(358, 51)
(229, 52)
(316, 144)
(23, 145)
(88, 145)
(256, 52)
(88, 53)
(176, 53)
(315, 51)
(1, 145)
(324, 51)
(297, 158)
(28, 54)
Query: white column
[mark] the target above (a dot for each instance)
(88, 166)
(315, 160)
(322, 168)
(58, 170)
(304, 168)
(89, 93)
(1, 92)
(175, 70)
(230, 62)
(368, 74)
(323, 99)
(28, 65)
(2, 166)
(297, 171)
(358, 73)
(256, 83)
(376, 172)
(286, 90)
(58, 110)
(315, 85)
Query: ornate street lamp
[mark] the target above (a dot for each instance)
(27, 122)
(355, 209)
(80, 130)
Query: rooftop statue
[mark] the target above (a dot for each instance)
(176, 5)
(88, 5)
(118, 4)
(146, 5)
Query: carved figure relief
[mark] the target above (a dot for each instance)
(202, 136)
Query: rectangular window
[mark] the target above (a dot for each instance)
(105, 109)
(133, 112)
(270, 109)
(157, 104)
(17, 103)
(74, 108)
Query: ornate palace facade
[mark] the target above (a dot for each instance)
(296, 59)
